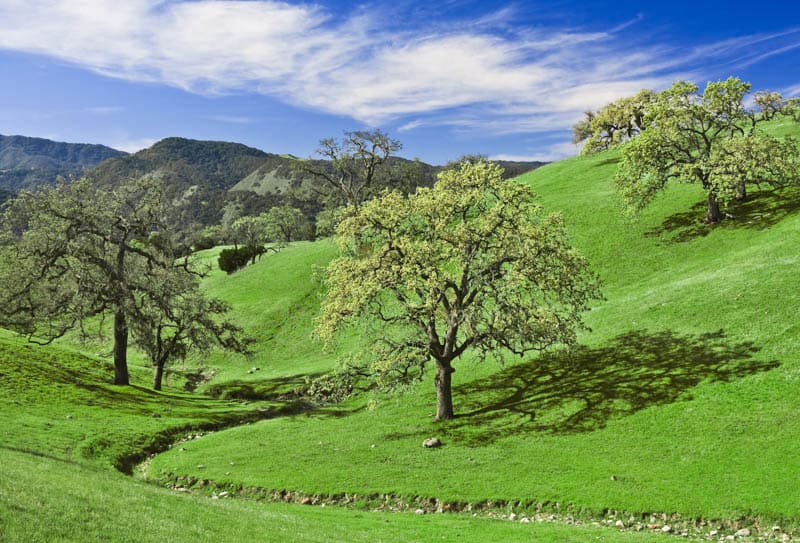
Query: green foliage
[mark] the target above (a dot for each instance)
(326, 222)
(710, 139)
(614, 123)
(472, 263)
(284, 224)
(233, 259)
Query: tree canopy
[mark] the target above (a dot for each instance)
(356, 162)
(81, 252)
(472, 263)
(711, 138)
(614, 123)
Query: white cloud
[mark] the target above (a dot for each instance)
(103, 110)
(467, 77)
(232, 119)
(549, 153)
(792, 92)
(133, 145)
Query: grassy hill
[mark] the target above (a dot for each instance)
(682, 400)
(26, 163)
(680, 407)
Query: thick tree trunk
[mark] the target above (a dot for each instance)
(444, 393)
(714, 214)
(158, 374)
(120, 349)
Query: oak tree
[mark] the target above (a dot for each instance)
(712, 139)
(472, 263)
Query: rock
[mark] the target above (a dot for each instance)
(525, 520)
(613, 477)
(619, 524)
(713, 533)
(744, 532)
(419, 512)
(432, 443)
(512, 516)
(776, 528)
(305, 501)
(200, 466)
(666, 528)
(156, 416)
(68, 417)
(223, 494)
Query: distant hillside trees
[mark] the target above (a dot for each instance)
(712, 139)
(81, 252)
(470, 264)
(356, 161)
(285, 224)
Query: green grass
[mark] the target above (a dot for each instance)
(44, 499)
(685, 390)
(682, 399)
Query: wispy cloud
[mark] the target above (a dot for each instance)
(133, 145)
(233, 119)
(468, 77)
(103, 110)
(792, 92)
(549, 153)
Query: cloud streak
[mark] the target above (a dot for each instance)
(354, 65)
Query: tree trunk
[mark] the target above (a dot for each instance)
(157, 375)
(120, 349)
(741, 192)
(444, 393)
(714, 214)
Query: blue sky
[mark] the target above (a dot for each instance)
(504, 79)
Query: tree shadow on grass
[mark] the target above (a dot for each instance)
(580, 391)
(763, 208)
(260, 389)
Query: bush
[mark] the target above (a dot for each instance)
(231, 260)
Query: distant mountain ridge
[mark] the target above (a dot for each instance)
(26, 163)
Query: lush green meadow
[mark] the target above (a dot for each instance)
(684, 391)
(682, 400)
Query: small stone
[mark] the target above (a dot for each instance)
(613, 477)
(223, 494)
(744, 532)
(619, 524)
(666, 528)
(729, 538)
(156, 416)
(305, 501)
(525, 520)
(512, 516)
(713, 533)
(372, 446)
(182, 449)
(68, 417)
(776, 528)
(419, 512)
(214, 497)
(432, 443)
(200, 466)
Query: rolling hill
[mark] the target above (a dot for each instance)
(26, 163)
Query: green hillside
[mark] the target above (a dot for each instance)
(26, 163)
(681, 400)
(679, 408)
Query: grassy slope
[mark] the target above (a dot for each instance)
(64, 425)
(685, 391)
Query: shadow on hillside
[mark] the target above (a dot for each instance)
(608, 161)
(763, 209)
(261, 389)
(581, 391)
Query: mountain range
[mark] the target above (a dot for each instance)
(201, 176)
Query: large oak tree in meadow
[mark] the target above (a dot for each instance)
(470, 264)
